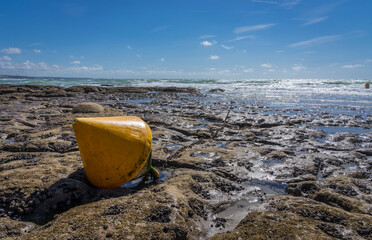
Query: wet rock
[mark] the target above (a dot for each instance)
(216, 90)
(219, 166)
(88, 107)
(13, 228)
(160, 214)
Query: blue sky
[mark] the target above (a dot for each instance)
(187, 38)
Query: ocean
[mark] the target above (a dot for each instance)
(343, 96)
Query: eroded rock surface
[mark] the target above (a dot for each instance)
(258, 174)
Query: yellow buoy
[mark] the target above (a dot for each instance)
(367, 85)
(114, 150)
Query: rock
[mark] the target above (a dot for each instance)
(257, 153)
(88, 107)
(216, 90)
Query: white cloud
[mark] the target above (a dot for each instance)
(241, 38)
(253, 28)
(72, 56)
(226, 47)
(95, 67)
(283, 3)
(279, 51)
(214, 57)
(160, 28)
(129, 47)
(225, 71)
(208, 43)
(351, 66)
(290, 3)
(309, 52)
(316, 41)
(211, 69)
(249, 70)
(35, 69)
(266, 65)
(11, 50)
(368, 60)
(75, 62)
(43, 65)
(37, 51)
(206, 36)
(6, 58)
(162, 59)
(138, 56)
(298, 68)
(314, 20)
(265, 1)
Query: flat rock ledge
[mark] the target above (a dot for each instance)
(257, 174)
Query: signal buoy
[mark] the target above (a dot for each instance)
(367, 85)
(114, 150)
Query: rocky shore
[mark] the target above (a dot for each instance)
(228, 170)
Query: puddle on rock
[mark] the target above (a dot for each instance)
(272, 161)
(267, 187)
(138, 101)
(163, 176)
(173, 146)
(250, 201)
(332, 130)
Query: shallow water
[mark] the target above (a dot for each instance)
(163, 176)
(332, 130)
(335, 96)
(252, 199)
(138, 101)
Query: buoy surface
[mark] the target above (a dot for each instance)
(113, 149)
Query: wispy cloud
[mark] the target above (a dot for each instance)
(325, 9)
(265, 1)
(95, 67)
(208, 43)
(11, 50)
(253, 28)
(290, 3)
(37, 51)
(314, 20)
(249, 70)
(226, 47)
(351, 66)
(6, 58)
(308, 52)
(214, 57)
(316, 41)
(129, 47)
(283, 3)
(241, 38)
(206, 36)
(160, 28)
(266, 65)
(35, 68)
(298, 68)
(162, 59)
(75, 62)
